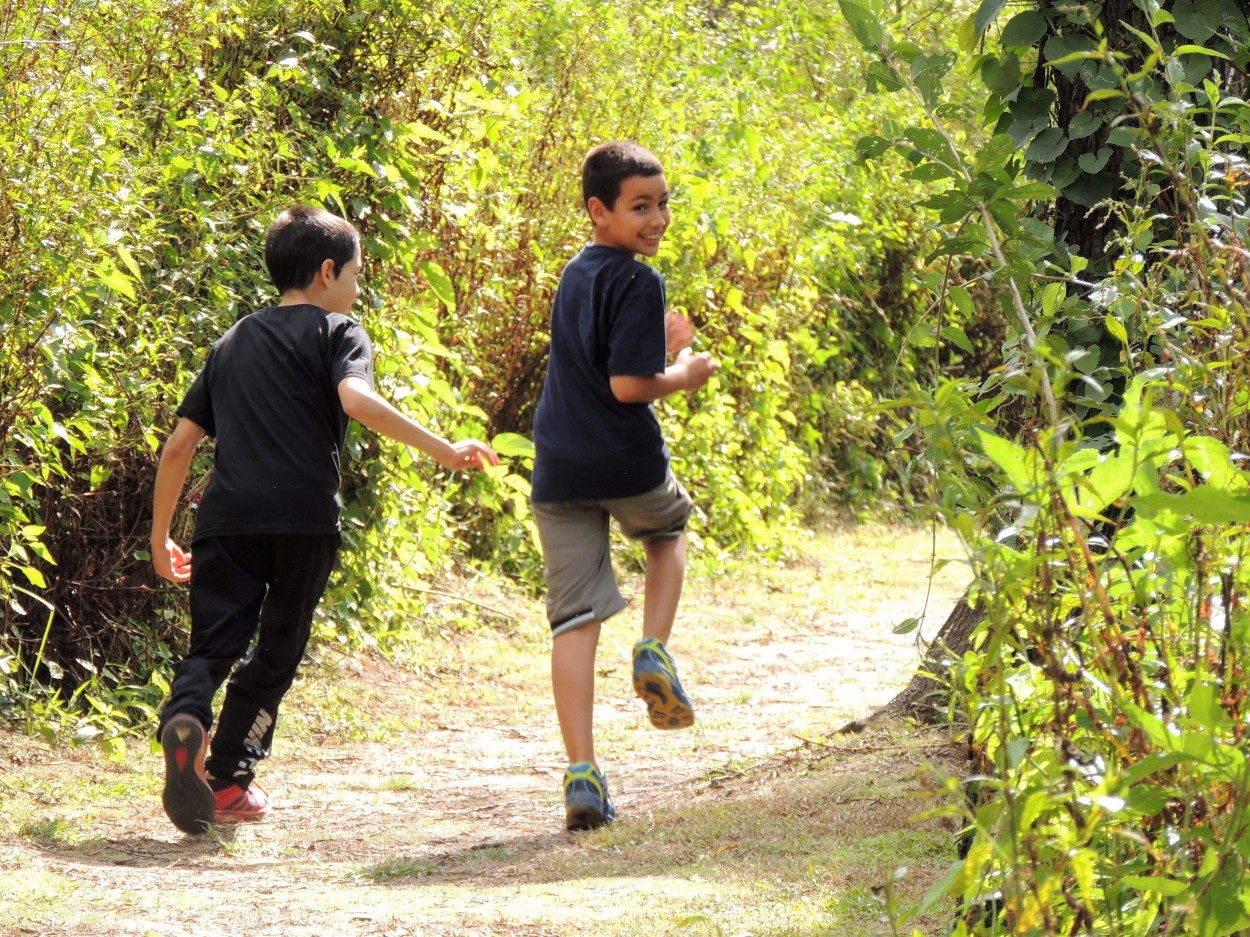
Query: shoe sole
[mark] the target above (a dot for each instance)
(578, 818)
(187, 798)
(583, 810)
(664, 708)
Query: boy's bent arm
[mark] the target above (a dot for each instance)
(366, 407)
(689, 372)
(169, 560)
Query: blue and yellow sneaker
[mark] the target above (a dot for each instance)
(656, 683)
(586, 803)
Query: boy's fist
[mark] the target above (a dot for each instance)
(699, 367)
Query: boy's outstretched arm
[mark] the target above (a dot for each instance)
(689, 372)
(365, 406)
(169, 560)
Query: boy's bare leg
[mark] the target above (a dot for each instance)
(666, 572)
(573, 685)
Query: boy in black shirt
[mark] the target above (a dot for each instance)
(276, 391)
(599, 454)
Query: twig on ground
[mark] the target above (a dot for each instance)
(427, 590)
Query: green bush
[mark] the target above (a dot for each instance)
(146, 146)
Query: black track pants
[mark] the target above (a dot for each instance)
(264, 586)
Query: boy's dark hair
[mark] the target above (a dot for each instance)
(609, 164)
(301, 239)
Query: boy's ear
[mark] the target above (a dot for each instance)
(596, 208)
(326, 270)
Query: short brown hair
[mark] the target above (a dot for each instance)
(301, 239)
(609, 164)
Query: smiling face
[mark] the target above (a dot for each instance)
(638, 220)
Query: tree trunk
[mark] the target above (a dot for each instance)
(923, 697)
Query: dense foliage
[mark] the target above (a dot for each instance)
(1098, 476)
(145, 146)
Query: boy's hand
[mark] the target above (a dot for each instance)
(699, 367)
(470, 454)
(678, 332)
(171, 561)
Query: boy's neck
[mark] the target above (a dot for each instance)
(595, 242)
(296, 298)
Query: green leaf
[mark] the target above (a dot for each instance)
(1196, 19)
(1029, 192)
(440, 283)
(1047, 146)
(1066, 54)
(928, 72)
(1221, 905)
(113, 279)
(1024, 29)
(971, 244)
(513, 445)
(1030, 113)
(906, 626)
(1094, 163)
(1002, 76)
(1108, 481)
(99, 475)
(128, 259)
(1204, 708)
(864, 23)
(880, 75)
(1159, 886)
(1198, 50)
(1011, 458)
(929, 142)
(34, 577)
(987, 12)
(1083, 124)
(1204, 504)
(956, 336)
(995, 154)
(1102, 94)
(1116, 329)
(929, 172)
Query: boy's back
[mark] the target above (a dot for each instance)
(268, 393)
(607, 319)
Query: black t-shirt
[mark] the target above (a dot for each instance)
(269, 394)
(607, 320)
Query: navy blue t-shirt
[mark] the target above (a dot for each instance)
(268, 393)
(607, 321)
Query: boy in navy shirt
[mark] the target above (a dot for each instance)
(276, 391)
(600, 455)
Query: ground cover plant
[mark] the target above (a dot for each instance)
(1106, 518)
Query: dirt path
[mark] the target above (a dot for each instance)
(426, 801)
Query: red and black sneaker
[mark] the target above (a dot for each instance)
(241, 804)
(187, 797)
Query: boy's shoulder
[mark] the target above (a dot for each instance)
(596, 261)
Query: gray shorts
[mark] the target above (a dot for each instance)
(581, 586)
